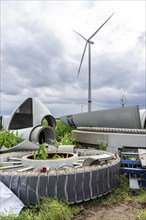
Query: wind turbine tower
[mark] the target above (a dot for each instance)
(89, 42)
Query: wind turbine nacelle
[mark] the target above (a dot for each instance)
(90, 42)
(127, 117)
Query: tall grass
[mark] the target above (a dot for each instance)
(62, 129)
(49, 209)
(141, 215)
(141, 198)
(63, 133)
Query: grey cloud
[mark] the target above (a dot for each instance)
(141, 38)
(39, 62)
(35, 58)
(118, 71)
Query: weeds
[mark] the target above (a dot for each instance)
(141, 215)
(67, 139)
(41, 153)
(62, 130)
(53, 209)
(101, 146)
(64, 136)
(9, 139)
(49, 209)
(141, 198)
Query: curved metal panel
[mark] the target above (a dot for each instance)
(127, 117)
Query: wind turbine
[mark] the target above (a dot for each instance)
(89, 42)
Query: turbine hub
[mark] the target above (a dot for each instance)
(90, 42)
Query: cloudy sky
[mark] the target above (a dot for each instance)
(40, 54)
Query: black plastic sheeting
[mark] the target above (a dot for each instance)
(72, 185)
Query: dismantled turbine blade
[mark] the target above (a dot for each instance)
(100, 27)
(80, 35)
(82, 58)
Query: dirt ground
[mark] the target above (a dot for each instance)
(118, 211)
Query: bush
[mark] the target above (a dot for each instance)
(64, 136)
(8, 139)
(62, 129)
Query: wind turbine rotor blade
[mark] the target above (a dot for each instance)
(82, 58)
(100, 27)
(80, 35)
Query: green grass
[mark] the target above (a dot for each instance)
(9, 139)
(141, 198)
(50, 209)
(141, 215)
(63, 133)
(62, 129)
